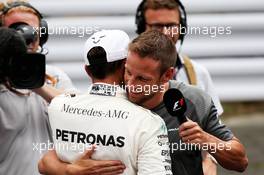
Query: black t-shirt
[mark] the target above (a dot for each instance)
(187, 160)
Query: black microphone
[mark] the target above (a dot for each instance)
(175, 104)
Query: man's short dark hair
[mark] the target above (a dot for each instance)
(102, 70)
(156, 45)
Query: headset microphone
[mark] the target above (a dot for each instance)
(175, 104)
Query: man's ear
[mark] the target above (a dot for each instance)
(124, 63)
(168, 75)
(122, 66)
(87, 70)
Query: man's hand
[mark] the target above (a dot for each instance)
(51, 165)
(48, 92)
(191, 132)
(86, 166)
(229, 154)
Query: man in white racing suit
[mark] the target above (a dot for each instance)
(104, 117)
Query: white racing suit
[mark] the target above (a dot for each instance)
(120, 129)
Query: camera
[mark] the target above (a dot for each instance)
(21, 69)
(27, 71)
(28, 32)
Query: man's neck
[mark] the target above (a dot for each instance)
(113, 80)
(156, 100)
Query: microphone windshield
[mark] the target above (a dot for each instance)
(175, 103)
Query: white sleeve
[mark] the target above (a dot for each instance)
(205, 82)
(64, 81)
(154, 152)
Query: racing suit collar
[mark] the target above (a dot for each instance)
(106, 89)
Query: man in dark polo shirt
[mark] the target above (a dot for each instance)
(200, 109)
(149, 63)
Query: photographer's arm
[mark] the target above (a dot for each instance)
(48, 92)
(51, 165)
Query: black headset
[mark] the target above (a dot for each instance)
(141, 22)
(43, 23)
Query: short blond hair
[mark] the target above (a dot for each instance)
(19, 8)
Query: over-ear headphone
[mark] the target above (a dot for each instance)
(141, 22)
(43, 33)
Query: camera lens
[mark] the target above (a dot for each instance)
(28, 32)
(28, 71)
